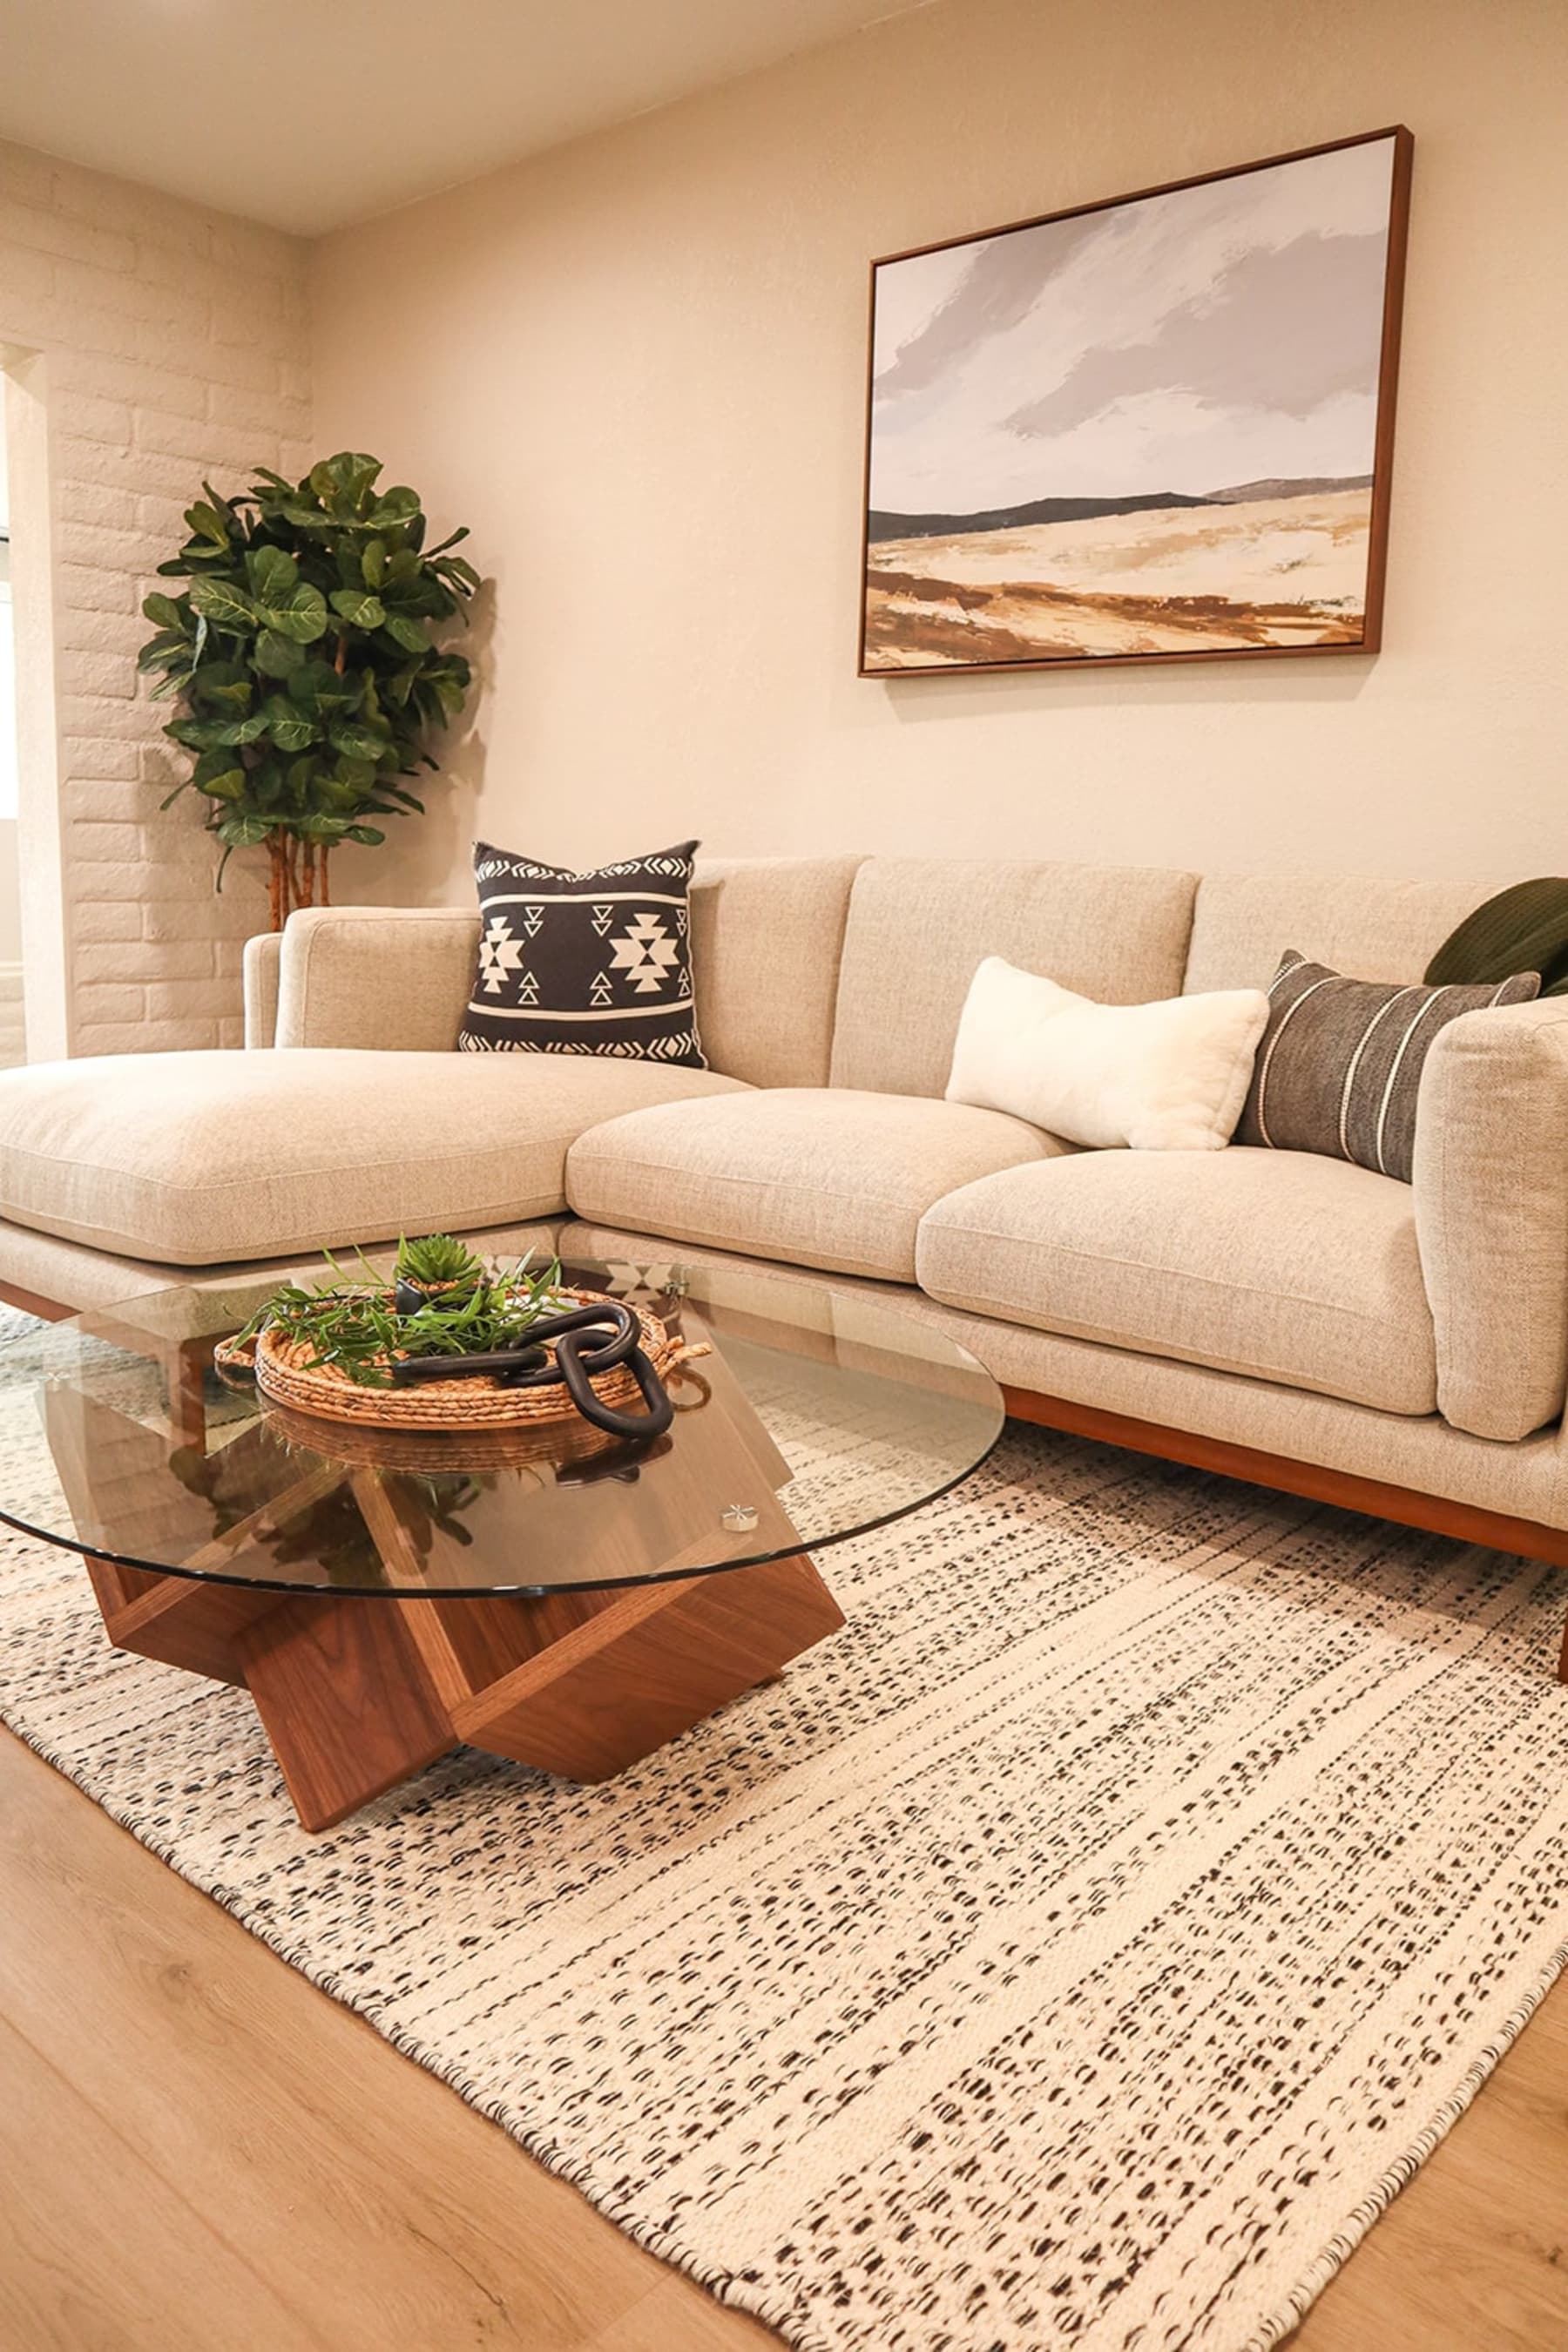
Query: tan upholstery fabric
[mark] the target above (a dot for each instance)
(387, 979)
(263, 958)
(766, 935)
(1369, 929)
(821, 1176)
(1528, 1480)
(194, 1159)
(919, 928)
(1275, 1263)
(1491, 1215)
(75, 1274)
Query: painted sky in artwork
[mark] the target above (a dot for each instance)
(1218, 334)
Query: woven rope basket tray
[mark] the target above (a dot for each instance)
(288, 1373)
(552, 1445)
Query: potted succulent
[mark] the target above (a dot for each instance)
(304, 658)
(437, 1271)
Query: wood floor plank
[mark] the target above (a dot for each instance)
(69, 2284)
(669, 2320)
(376, 2201)
(1473, 2256)
(372, 2205)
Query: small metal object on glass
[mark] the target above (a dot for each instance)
(562, 1594)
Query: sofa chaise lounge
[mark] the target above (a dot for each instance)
(1294, 1320)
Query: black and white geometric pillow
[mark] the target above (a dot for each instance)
(584, 963)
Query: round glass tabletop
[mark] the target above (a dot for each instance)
(814, 1417)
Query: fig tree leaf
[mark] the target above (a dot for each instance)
(406, 633)
(274, 655)
(286, 724)
(164, 612)
(273, 575)
(220, 601)
(355, 605)
(168, 650)
(301, 616)
(360, 743)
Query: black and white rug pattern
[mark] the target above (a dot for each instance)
(1080, 1948)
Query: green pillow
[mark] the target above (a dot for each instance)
(1524, 929)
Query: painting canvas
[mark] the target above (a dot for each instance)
(1159, 427)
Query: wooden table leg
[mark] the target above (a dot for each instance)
(648, 1664)
(344, 1698)
(358, 1691)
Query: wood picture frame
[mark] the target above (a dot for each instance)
(997, 603)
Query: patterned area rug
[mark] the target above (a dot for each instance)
(1080, 1948)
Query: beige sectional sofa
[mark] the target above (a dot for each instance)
(1296, 1319)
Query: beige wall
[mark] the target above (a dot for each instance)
(636, 368)
(147, 343)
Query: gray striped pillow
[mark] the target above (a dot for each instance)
(1339, 1064)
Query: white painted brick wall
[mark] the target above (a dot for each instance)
(175, 346)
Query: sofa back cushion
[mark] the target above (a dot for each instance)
(919, 928)
(381, 979)
(1244, 923)
(766, 935)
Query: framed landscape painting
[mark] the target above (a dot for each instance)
(1158, 428)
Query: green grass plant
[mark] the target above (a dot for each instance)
(351, 1324)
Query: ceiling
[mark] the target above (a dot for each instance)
(310, 113)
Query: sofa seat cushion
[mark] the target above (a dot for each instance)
(1275, 1263)
(195, 1159)
(817, 1175)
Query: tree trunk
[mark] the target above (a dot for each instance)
(278, 879)
(298, 876)
(297, 866)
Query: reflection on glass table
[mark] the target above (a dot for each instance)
(580, 1598)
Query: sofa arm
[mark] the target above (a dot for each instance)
(262, 958)
(1490, 1181)
(398, 978)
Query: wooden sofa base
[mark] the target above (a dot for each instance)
(1406, 1505)
(48, 1310)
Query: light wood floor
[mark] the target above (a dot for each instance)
(201, 2153)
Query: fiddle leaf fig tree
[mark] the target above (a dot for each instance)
(305, 657)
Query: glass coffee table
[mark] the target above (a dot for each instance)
(552, 1594)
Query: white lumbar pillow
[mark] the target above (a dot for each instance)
(1171, 1077)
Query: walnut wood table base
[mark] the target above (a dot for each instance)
(357, 1691)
